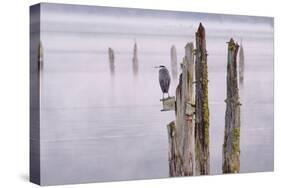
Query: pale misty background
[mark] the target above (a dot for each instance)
(100, 127)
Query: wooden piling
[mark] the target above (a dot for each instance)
(202, 159)
(111, 61)
(231, 146)
(175, 160)
(181, 132)
(185, 119)
(135, 59)
(174, 62)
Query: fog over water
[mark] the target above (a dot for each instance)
(101, 127)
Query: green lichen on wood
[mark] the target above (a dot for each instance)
(236, 140)
(205, 102)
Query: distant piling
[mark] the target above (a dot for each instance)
(241, 64)
(202, 156)
(174, 62)
(111, 61)
(135, 59)
(231, 146)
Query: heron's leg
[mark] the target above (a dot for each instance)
(163, 96)
(168, 95)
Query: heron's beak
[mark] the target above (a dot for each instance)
(156, 67)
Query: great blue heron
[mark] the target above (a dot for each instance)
(164, 79)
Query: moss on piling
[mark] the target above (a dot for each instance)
(205, 103)
(236, 140)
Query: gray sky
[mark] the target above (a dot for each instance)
(58, 17)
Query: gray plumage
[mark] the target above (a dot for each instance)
(164, 79)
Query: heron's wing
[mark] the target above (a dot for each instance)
(167, 79)
(164, 80)
(162, 84)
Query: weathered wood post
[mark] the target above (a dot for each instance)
(174, 62)
(175, 160)
(185, 110)
(202, 159)
(181, 131)
(231, 146)
(111, 60)
(241, 64)
(135, 59)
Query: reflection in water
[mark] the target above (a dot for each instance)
(111, 61)
(174, 62)
(135, 60)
